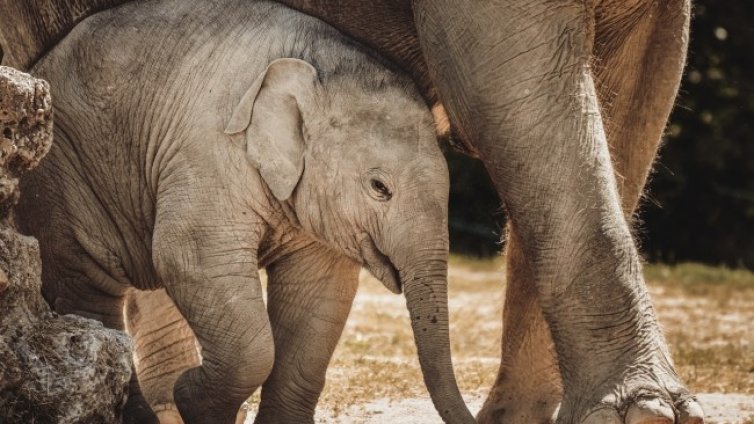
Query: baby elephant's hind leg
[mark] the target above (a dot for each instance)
(164, 347)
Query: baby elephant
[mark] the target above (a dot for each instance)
(196, 143)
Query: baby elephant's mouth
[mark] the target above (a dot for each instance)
(380, 265)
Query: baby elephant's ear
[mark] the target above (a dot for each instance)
(270, 113)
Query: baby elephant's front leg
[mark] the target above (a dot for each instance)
(309, 298)
(213, 280)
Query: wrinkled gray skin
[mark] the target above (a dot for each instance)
(193, 163)
(565, 102)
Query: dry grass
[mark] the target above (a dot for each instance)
(376, 357)
(706, 314)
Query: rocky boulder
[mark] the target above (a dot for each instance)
(53, 369)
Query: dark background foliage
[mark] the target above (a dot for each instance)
(700, 202)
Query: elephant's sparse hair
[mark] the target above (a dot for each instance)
(338, 58)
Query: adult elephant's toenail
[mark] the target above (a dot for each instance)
(690, 412)
(650, 411)
(603, 416)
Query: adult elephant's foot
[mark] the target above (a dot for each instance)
(648, 394)
(648, 408)
(511, 410)
(528, 389)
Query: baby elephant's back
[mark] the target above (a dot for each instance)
(129, 85)
(146, 44)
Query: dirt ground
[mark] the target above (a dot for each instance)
(706, 313)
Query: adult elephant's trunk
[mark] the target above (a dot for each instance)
(425, 284)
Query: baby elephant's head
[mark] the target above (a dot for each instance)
(355, 156)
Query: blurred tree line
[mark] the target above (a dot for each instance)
(700, 202)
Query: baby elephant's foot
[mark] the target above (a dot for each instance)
(201, 403)
(643, 401)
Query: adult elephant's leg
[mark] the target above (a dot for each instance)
(310, 293)
(638, 70)
(528, 387)
(517, 80)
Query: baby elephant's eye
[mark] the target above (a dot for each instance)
(381, 189)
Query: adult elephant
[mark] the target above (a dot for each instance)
(565, 102)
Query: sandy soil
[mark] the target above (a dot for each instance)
(719, 408)
(374, 376)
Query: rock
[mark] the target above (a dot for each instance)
(53, 369)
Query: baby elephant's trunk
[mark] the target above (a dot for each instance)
(425, 284)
